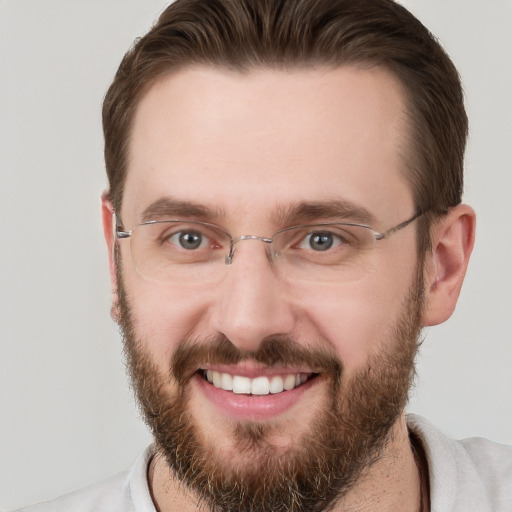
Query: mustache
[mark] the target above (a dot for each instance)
(273, 351)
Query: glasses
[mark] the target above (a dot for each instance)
(195, 252)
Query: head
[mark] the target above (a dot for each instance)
(257, 116)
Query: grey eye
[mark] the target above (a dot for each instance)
(189, 240)
(321, 241)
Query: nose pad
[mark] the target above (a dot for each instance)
(268, 241)
(251, 303)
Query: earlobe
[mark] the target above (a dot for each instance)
(107, 215)
(445, 266)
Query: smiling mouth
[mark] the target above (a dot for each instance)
(262, 385)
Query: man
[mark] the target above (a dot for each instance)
(284, 216)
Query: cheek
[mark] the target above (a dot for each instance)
(164, 315)
(358, 319)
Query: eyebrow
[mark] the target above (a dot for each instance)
(298, 213)
(167, 207)
(324, 211)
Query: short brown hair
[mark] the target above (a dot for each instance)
(247, 34)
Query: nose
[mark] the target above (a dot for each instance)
(251, 303)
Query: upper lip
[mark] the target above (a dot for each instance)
(253, 370)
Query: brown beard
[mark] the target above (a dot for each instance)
(347, 436)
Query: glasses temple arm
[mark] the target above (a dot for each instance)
(400, 226)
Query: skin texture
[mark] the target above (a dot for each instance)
(248, 147)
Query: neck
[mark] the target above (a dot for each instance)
(397, 481)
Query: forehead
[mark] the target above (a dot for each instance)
(246, 143)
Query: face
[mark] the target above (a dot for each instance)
(255, 153)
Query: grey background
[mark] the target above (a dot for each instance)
(67, 417)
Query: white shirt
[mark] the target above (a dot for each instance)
(472, 475)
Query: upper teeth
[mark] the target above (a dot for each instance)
(257, 386)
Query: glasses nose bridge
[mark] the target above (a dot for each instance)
(229, 257)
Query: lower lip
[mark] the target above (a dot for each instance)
(251, 407)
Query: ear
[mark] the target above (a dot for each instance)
(445, 267)
(107, 215)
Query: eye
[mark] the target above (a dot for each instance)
(189, 240)
(320, 241)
